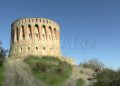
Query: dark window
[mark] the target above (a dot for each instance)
(37, 48)
(17, 33)
(43, 35)
(44, 28)
(23, 32)
(30, 31)
(50, 30)
(43, 48)
(37, 30)
(46, 21)
(29, 20)
(55, 31)
(36, 20)
(43, 21)
(29, 48)
(12, 35)
(36, 35)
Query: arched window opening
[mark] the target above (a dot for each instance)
(29, 20)
(37, 31)
(43, 21)
(17, 33)
(37, 48)
(44, 31)
(55, 31)
(21, 49)
(28, 48)
(46, 21)
(12, 35)
(44, 26)
(43, 35)
(50, 29)
(30, 31)
(36, 20)
(43, 48)
(23, 32)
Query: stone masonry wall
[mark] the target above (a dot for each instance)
(35, 36)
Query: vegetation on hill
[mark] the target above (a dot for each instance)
(1, 75)
(2, 57)
(49, 69)
(93, 64)
(80, 82)
(108, 77)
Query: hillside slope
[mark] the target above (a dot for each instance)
(79, 73)
(19, 74)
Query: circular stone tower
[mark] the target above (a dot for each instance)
(35, 36)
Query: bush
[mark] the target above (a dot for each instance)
(80, 82)
(2, 54)
(93, 64)
(40, 67)
(1, 62)
(108, 77)
(1, 75)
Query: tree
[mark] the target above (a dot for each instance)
(93, 63)
(108, 77)
(2, 54)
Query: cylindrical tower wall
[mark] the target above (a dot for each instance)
(35, 36)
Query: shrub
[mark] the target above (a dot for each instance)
(108, 77)
(80, 82)
(93, 64)
(1, 62)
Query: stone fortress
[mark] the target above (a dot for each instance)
(35, 36)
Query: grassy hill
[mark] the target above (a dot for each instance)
(1, 75)
(49, 69)
(43, 71)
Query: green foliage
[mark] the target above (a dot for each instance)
(108, 77)
(1, 62)
(1, 75)
(80, 82)
(49, 69)
(2, 55)
(93, 64)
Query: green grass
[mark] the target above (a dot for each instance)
(49, 69)
(80, 82)
(1, 75)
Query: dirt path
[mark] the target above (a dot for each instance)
(78, 72)
(19, 74)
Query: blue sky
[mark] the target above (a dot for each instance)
(89, 28)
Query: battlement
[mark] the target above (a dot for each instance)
(35, 20)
